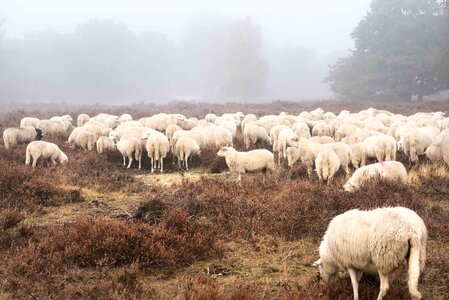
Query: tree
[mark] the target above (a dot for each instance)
(398, 47)
(245, 71)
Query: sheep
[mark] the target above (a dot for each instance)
(308, 151)
(210, 118)
(86, 140)
(82, 119)
(322, 128)
(170, 130)
(286, 137)
(130, 147)
(157, 147)
(390, 170)
(374, 241)
(302, 130)
(160, 121)
(104, 143)
(254, 134)
(186, 147)
(52, 126)
(345, 130)
(187, 124)
(66, 119)
(21, 135)
(327, 164)
(438, 151)
(360, 135)
(415, 142)
(28, 121)
(274, 133)
(45, 151)
(251, 161)
(124, 118)
(246, 119)
(381, 147)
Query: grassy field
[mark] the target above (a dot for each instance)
(92, 229)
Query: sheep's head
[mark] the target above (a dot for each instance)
(223, 151)
(349, 186)
(39, 134)
(327, 271)
(62, 159)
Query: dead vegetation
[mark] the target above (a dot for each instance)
(92, 229)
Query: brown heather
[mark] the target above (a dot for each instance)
(133, 236)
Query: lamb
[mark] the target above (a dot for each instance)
(391, 170)
(157, 147)
(382, 148)
(28, 121)
(130, 147)
(104, 143)
(45, 151)
(374, 241)
(253, 134)
(251, 161)
(327, 164)
(186, 147)
(21, 135)
(82, 119)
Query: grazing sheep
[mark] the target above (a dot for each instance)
(327, 164)
(438, 151)
(382, 148)
(20, 135)
(130, 147)
(285, 138)
(246, 119)
(210, 118)
(28, 121)
(415, 142)
(187, 124)
(125, 118)
(322, 129)
(46, 151)
(251, 161)
(157, 147)
(104, 143)
(82, 119)
(171, 129)
(52, 126)
(186, 147)
(254, 134)
(374, 241)
(344, 130)
(391, 170)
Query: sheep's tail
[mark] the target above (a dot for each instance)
(28, 156)
(415, 265)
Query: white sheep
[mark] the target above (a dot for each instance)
(52, 126)
(125, 118)
(322, 129)
(285, 138)
(210, 118)
(170, 130)
(186, 147)
(416, 141)
(327, 164)
(246, 119)
(29, 121)
(274, 133)
(390, 170)
(157, 147)
(251, 161)
(253, 134)
(104, 143)
(438, 151)
(20, 135)
(82, 119)
(129, 148)
(374, 241)
(46, 151)
(382, 148)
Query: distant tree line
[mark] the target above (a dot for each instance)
(401, 51)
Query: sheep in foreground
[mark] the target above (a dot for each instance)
(46, 151)
(374, 241)
(327, 164)
(129, 148)
(391, 170)
(438, 151)
(104, 143)
(186, 147)
(251, 161)
(157, 147)
(20, 135)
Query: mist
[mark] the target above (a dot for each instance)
(139, 51)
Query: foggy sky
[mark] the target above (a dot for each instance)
(321, 25)
(300, 39)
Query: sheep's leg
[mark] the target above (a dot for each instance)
(187, 162)
(34, 163)
(124, 160)
(140, 163)
(162, 165)
(130, 162)
(152, 164)
(355, 277)
(384, 286)
(239, 179)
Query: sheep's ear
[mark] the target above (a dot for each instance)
(317, 263)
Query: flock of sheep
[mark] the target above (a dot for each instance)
(368, 140)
